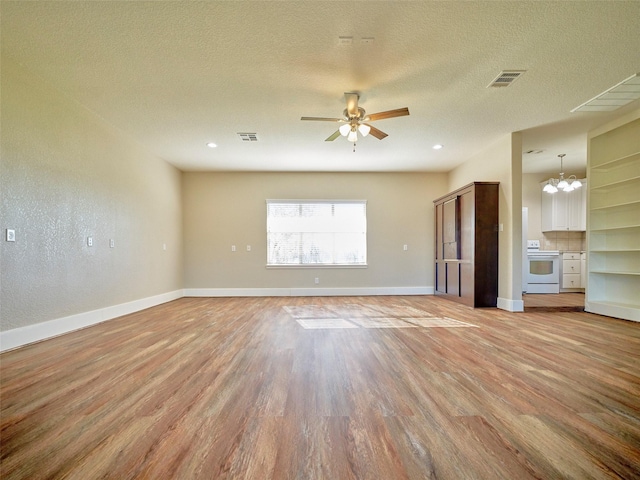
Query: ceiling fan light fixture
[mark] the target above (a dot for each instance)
(364, 129)
(355, 119)
(345, 129)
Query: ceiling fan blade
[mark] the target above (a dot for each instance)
(352, 103)
(333, 136)
(398, 112)
(379, 134)
(322, 119)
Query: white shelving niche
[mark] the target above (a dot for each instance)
(613, 227)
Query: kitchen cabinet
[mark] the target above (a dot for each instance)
(466, 238)
(613, 278)
(572, 272)
(564, 211)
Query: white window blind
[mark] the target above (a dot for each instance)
(316, 232)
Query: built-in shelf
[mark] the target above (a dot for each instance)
(605, 272)
(613, 280)
(609, 229)
(617, 205)
(613, 309)
(607, 186)
(614, 250)
(615, 163)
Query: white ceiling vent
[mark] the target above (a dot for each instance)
(624, 92)
(506, 78)
(248, 137)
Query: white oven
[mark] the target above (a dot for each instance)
(543, 270)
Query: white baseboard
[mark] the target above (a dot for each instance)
(510, 305)
(18, 337)
(306, 292)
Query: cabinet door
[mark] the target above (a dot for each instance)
(571, 280)
(441, 277)
(451, 229)
(546, 211)
(453, 278)
(577, 210)
(571, 266)
(439, 241)
(561, 210)
(564, 210)
(553, 212)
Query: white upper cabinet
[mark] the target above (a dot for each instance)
(564, 211)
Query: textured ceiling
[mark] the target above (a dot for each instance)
(176, 75)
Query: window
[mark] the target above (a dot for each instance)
(316, 232)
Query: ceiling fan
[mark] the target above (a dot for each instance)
(355, 119)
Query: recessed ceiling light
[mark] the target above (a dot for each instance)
(211, 145)
(437, 146)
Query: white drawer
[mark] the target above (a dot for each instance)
(571, 280)
(571, 256)
(571, 266)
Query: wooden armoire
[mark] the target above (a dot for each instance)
(466, 257)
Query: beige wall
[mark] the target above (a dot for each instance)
(66, 175)
(501, 162)
(225, 209)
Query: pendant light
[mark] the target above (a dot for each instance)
(555, 184)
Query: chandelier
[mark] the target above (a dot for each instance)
(555, 184)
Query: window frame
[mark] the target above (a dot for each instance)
(301, 202)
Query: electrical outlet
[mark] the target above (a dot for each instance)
(11, 235)
(233, 248)
(317, 281)
(112, 243)
(405, 247)
(248, 248)
(89, 241)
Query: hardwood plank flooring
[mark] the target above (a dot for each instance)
(278, 388)
(560, 302)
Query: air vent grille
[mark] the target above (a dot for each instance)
(624, 92)
(248, 137)
(506, 78)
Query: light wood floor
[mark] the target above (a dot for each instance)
(326, 388)
(554, 302)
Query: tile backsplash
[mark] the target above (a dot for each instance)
(564, 241)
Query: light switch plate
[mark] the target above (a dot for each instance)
(11, 235)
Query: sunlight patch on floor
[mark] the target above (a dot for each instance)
(321, 323)
(438, 322)
(368, 316)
